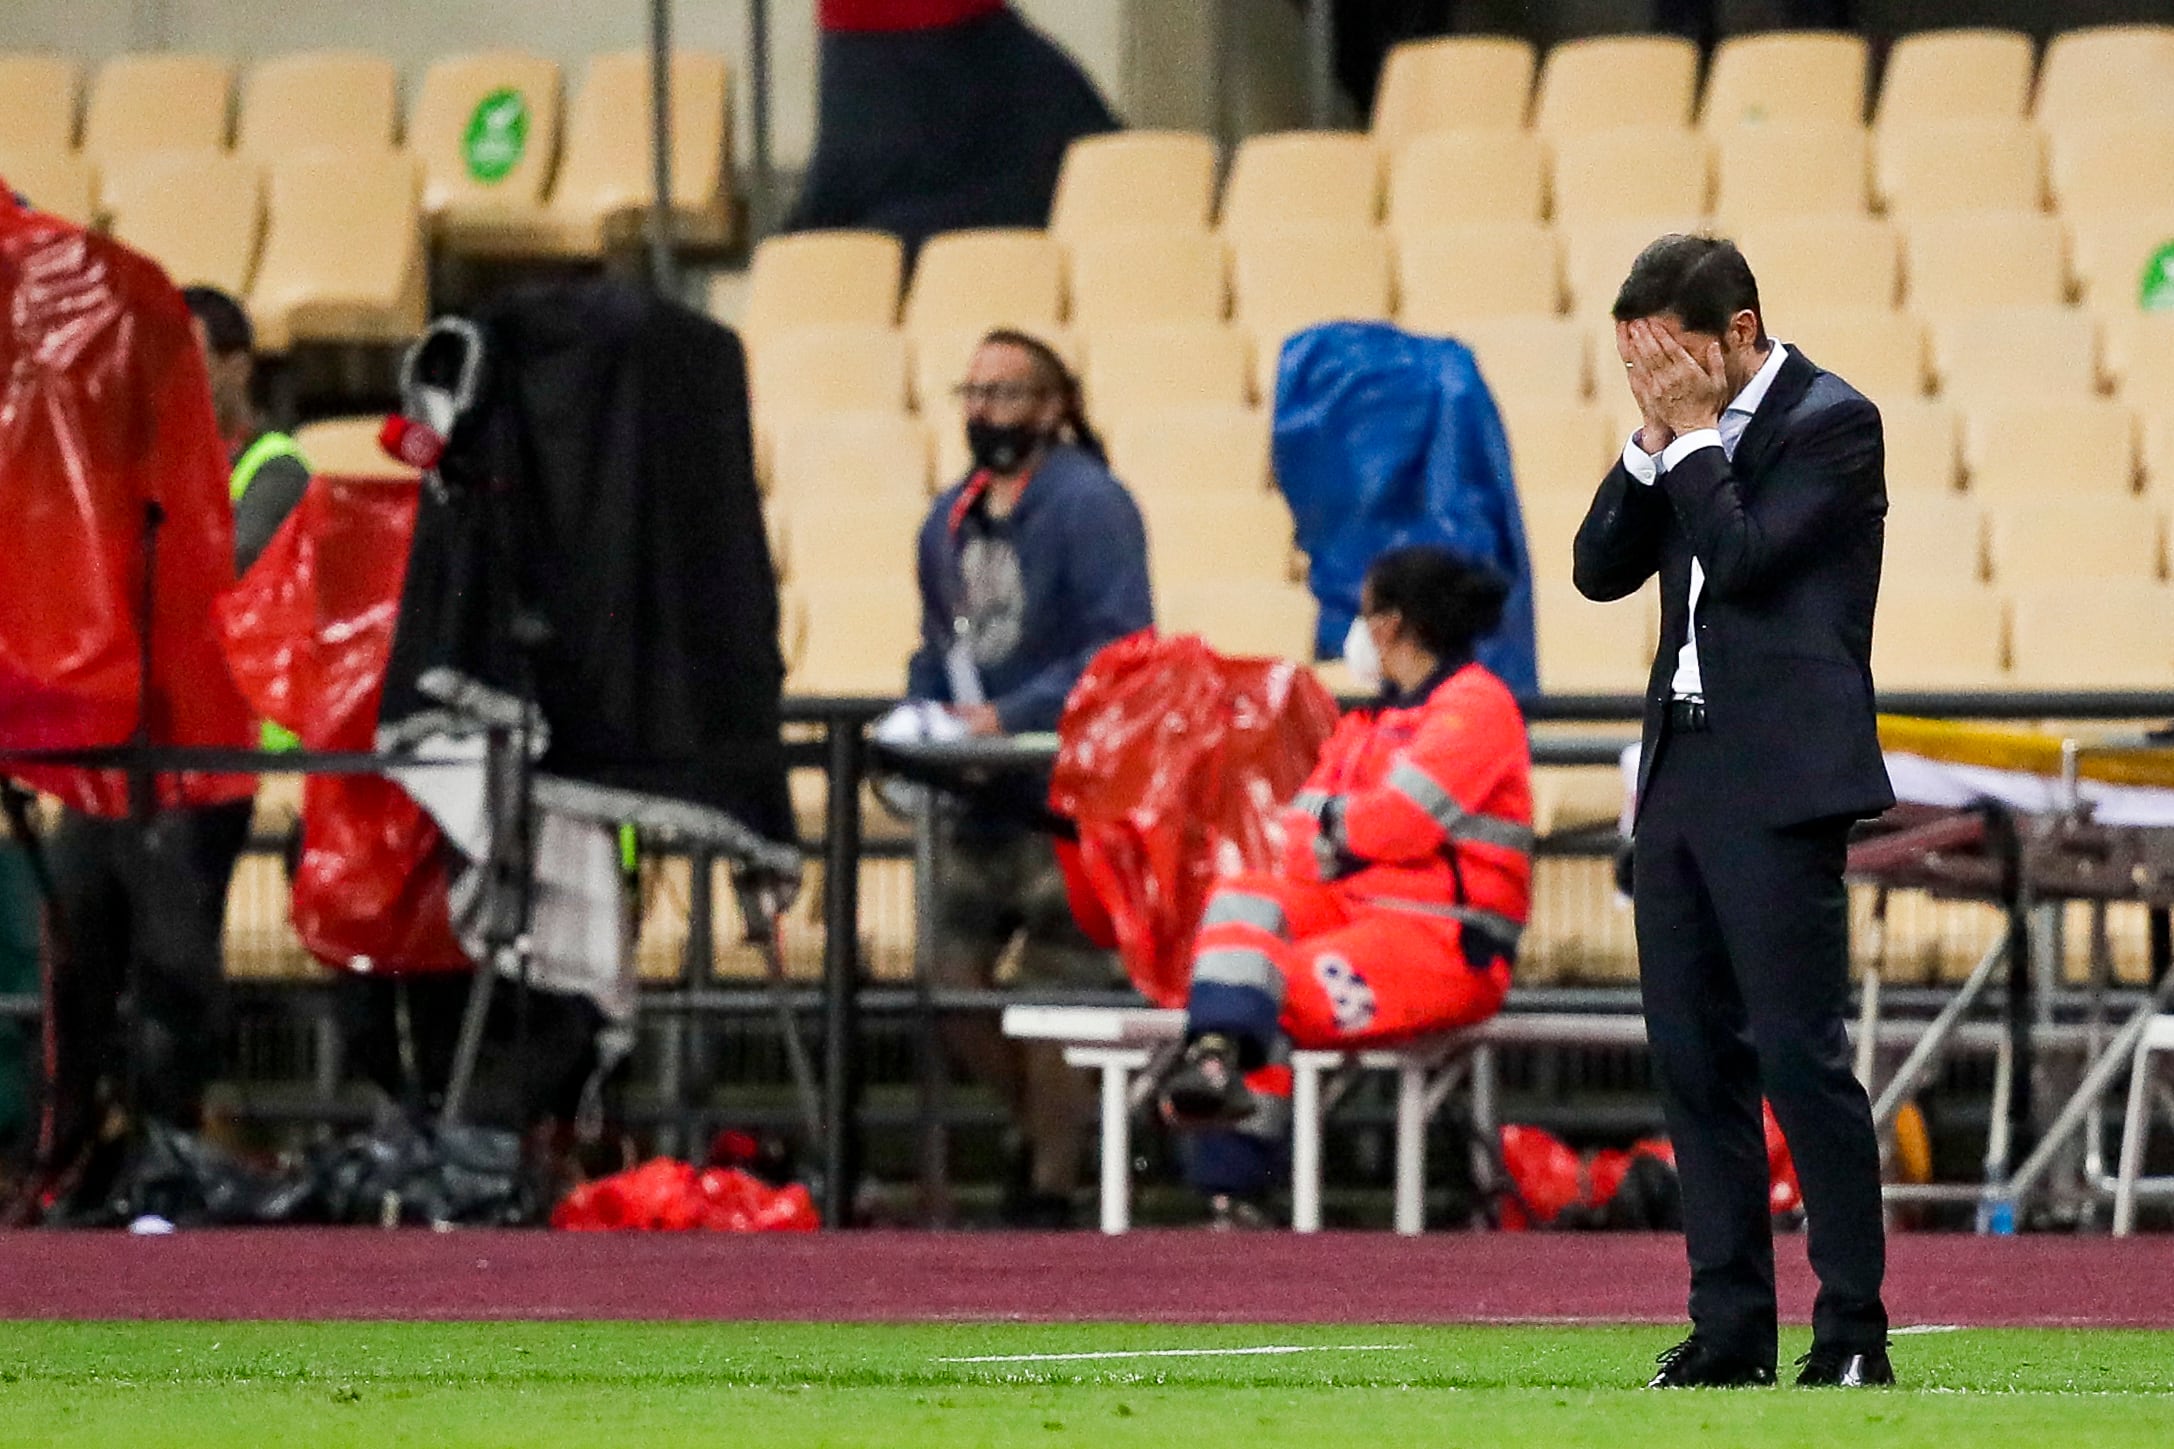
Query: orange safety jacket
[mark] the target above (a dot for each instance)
(1427, 808)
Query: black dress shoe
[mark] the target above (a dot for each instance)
(1208, 1089)
(1831, 1367)
(1695, 1364)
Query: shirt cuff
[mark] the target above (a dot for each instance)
(1643, 466)
(1688, 444)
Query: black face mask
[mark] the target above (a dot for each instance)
(1001, 448)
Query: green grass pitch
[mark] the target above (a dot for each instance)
(796, 1386)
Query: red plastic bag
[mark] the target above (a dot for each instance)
(1546, 1174)
(105, 412)
(666, 1195)
(1783, 1193)
(307, 633)
(1173, 762)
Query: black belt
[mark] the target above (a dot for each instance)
(1687, 715)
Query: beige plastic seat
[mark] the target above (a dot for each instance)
(871, 536)
(40, 113)
(1598, 256)
(1143, 274)
(1610, 81)
(58, 183)
(1973, 260)
(1291, 278)
(318, 100)
(1246, 618)
(2027, 446)
(1127, 179)
(2158, 431)
(1924, 442)
(198, 214)
(941, 357)
(1943, 167)
(343, 257)
(987, 278)
(2122, 162)
(2046, 540)
(2091, 633)
(486, 128)
(1455, 178)
(2105, 70)
(1878, 351)
(1166, 364)
(1230, 536)
(1784, 75)
(2140, 353)
(1530, 359)
(1936, 635)
(1289, 177)
(2110, 251)
(1807, 264)
(2040, 352)
(1934, 540)
(858, 633)
(348, 448)
(1215, 450)
(163, 102)
(1558, 447)
(1955, 75)
(1458, 83)
(1589, 648)
(834, 459)
(1455, 275)
(1551, 517)
(1631, 172)
(601, 196)
(804, 370)
(823, 279)
(1799, 168)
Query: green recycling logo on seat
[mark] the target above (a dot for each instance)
(2156, 292)
(497, 134)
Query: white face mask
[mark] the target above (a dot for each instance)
(1360, 655)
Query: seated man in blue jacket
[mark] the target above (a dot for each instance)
(1027, 568)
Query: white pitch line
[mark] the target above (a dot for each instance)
(1276, 1348)
(1926, 1328)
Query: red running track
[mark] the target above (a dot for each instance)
(1149, 1277)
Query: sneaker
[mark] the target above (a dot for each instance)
(1228, 1213)
(1696, 1364)
(1208, 1089)
(1828, 1366)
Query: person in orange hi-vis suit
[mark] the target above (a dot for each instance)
(1405, 881)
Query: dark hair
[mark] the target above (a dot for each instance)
(226, 325)
(1702, 279)
(1444, 598)
(1059, 379)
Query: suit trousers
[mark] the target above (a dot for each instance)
(1743, 950)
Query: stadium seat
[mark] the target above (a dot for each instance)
(1453, 178)
(59, 183)
(2046, 540)
(1934, 635)
(343, 257)
(1923, 447)
(1210, 538)
(2029, 446)
(1295, 277)
(198, 214)
(1973, 260)
(2140, 355)
(843, 368)
(823, 279)
(1934, 541)
(2104, 70)
(1558, 447)
(849, 458)
(2158, 431)
(2049, 352)
(874, 536)
(1244, 618)
(486, 128)
(348, 448)
(1631, 172)
(941, 357)
(165, 102)
(1457, 83)
(1807, 264)
(1127, 179)
(1962, 166)
(1589, 648)
(2124, 162)
(1166, 364)
(1551, 517)
(1798, 168)
(855, 635)
(1530, 359)
(1455, 275)
(2110, 251)
(1878, 351)
(1609, 81)
(1783, 75)
(1148, 274)
(337, 100)
(40, 114)
(992, 277)
(1289, 177)
(1955, 75)
(1598, 256)
(1213, 450)
(2090, 633)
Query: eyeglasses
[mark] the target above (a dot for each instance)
(982, 393)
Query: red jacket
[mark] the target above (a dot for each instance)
(902, 14)
(1425, 807)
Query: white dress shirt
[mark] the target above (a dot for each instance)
(1647, 468)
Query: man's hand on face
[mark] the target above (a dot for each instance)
(1679, 389)
(1653, 434)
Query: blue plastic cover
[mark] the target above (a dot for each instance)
(1384, 439)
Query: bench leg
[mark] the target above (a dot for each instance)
(1116, 1149)
(1411, 1149)
(1305, 1145)
(2134, 1123)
